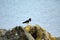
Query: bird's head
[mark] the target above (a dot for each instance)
(29, 19)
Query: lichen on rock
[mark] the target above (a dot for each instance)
(29, 32)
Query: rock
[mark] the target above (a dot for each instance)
(38, 32)
(29, 32)
(2, 33)
(18, 33)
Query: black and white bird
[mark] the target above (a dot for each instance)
(27, 21)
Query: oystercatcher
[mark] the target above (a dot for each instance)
(27, 21)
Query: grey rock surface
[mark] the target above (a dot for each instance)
(17, 33)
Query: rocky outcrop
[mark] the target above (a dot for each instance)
(18, 33)
(39, 33)
(29, 32)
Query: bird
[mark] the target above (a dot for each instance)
(27, 21)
